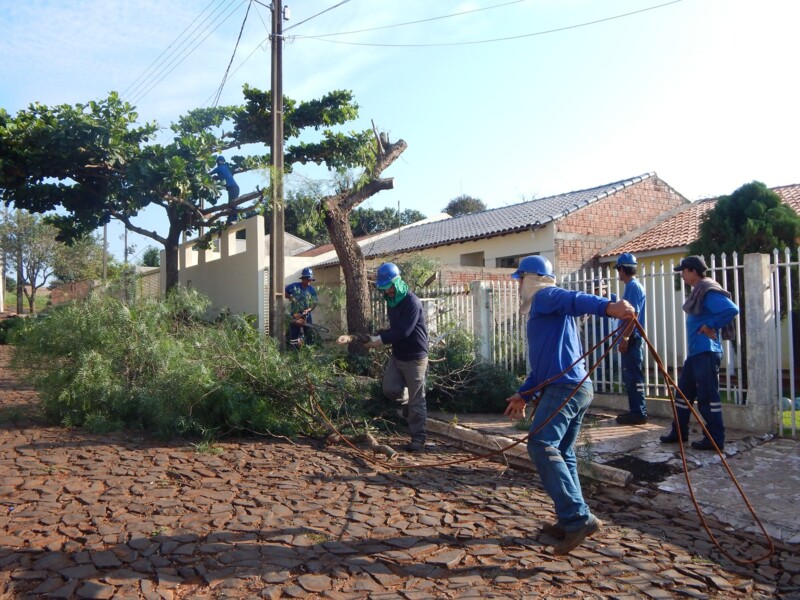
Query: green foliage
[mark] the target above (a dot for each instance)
(157, 366)
(464, 205)
(366, 221)
(752, 219)
(95, 163)
(7, 328)
(418, 269)
(151, 257)
(459, 381)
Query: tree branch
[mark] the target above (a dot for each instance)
(130, 226)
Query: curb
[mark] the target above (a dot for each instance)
(518, 455)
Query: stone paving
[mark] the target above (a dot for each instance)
(125, 516)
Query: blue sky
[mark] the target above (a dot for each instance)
(703, 92)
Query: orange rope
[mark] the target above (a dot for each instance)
(671, 386)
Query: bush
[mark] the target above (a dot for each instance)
(460, 381)
(7, 328)
(158, 366)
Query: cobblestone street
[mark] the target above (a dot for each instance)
(126, 516)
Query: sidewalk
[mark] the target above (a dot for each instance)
(768, 469)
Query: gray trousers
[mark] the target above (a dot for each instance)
(409, 374)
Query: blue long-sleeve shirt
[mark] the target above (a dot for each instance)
(407, 331)
(553, 340)
(223, 172)
(717, 312)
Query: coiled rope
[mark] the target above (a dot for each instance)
(614, 336)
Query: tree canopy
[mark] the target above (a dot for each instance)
(30, 241)
(95, 162)
(751, 219)
(464, 205)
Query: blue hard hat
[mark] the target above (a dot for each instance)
(220, 159)
(307, 274)
(626, 259)
(386, 275)
(538, 265)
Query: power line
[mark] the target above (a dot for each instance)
(230, 62)
(458, 14)
(492, 40)
(316, 15)
(177, 51)
(174, 64)
(165, 49)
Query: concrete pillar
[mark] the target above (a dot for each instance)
(759, 343)
(482, 323)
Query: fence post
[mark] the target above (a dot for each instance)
(482, 323)
(760, 342)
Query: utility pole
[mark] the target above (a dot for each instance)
(276, 255)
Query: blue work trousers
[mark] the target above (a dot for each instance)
(699, 380)
(552, 449)
(633, 376)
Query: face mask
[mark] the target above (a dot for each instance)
(531, 285)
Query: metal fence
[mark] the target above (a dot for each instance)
(490, 310)
(664, 323)
(786, 302)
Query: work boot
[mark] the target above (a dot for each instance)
(573, 539)
(672, 437)
(705, 444)
(631, 419)
(554, 530)
(414, 446)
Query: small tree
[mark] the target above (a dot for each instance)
(464, 205)
(33, 242)
(752, 219)
(81, 260)
(151, 257)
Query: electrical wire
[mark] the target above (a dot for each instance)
(316, 15)
(492, 40)
(158, 65)
(230, 62)
(135, 81)
(458, 14)
(186, 55)
(321, 37)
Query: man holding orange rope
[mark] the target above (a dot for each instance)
(559, 373)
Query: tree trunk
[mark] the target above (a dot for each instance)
(171, 260)
(359, 315)
(337, 221)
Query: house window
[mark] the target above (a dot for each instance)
(512, 262)
(472, 259)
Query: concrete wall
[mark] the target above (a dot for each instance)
(233, 276)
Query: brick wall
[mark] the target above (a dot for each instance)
(454, 275)
(580, 236)
(76, 290)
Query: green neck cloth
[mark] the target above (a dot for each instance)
(400, 292)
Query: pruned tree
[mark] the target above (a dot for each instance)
(95, 163)
(338, 207)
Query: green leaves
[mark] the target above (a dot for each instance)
(752, 219)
